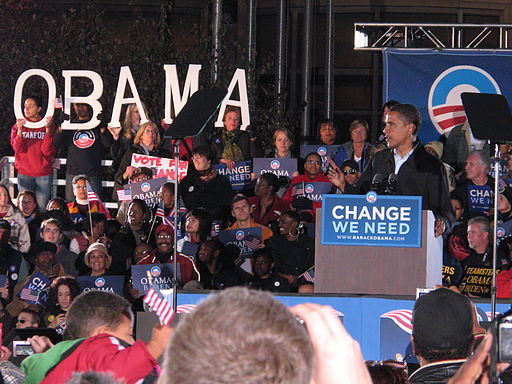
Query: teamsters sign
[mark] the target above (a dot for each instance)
(371, 219)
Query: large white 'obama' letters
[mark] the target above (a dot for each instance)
(91, 100)
(243, 103)
(18, 91)
(172, 89)
(126, 75)
(174, 99)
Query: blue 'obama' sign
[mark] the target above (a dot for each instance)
(371, 219)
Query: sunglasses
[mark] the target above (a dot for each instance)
(22, 321)
(350, 171)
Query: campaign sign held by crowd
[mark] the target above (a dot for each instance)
(313, 191)
(323, 150)
(480, 198)
(147, 190)
(279, 167)
(101, 283)
(246, 239)
(161, 275)
(239, 177)
(371, 219)
(36, 289)
(163, 167)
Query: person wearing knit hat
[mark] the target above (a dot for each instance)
(98, 259)
(505, 203)
(442, 335)
(435, 148)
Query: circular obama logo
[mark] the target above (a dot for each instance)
(145, 187)
(309, 188)
(444, 102)
(239, 235)
(371, 197)
(84, 139)
(322, 151)
(275, 164)
(155, 271)
(500, 232)
(99, 282)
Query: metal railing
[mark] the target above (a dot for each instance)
(8, 176)
(377, 36)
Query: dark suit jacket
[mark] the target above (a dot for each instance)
(421, 175)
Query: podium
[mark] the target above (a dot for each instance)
(379, 270)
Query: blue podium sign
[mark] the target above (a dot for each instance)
(371, 219)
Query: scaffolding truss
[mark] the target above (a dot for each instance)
(377, 36)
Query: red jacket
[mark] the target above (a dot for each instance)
(33, 152)
(278, 207)
(105, 353)
(288, 197)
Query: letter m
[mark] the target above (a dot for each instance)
(174, 101)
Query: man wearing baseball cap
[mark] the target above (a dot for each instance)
(442, 335)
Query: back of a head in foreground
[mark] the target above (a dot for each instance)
(239, 335)
(93, 309)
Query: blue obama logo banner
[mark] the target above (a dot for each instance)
(161, 275)
(434, 80)
(101, 283)
(279, 167)
(371, 219)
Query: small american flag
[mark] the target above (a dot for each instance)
(309, 275)
(502, 185)
(165, 219)
(402, 318)
(252, 242)
(91, 195)
(124, 194)
(186, 308)
(58, 103)
(156, 301)
(29, 294)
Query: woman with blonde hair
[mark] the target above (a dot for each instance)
(146, 142)
(123, 135)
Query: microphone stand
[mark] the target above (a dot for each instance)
(494, 232)
(176, 147)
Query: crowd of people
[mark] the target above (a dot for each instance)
(64, 237)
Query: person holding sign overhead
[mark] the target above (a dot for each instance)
(34, 151)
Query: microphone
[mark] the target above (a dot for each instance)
(392, 181)
(376, 182)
